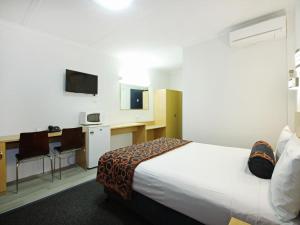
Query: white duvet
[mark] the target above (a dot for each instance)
(208, 183)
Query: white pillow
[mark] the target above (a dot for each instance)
(285, 182)
(284, 137)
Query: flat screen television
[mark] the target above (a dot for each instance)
(81, 82)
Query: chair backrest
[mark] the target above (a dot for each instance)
(34, 144)
(72, 138)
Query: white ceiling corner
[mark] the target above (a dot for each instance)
(151, 28)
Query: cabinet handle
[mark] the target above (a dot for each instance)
(100, 129)
(1, 155)
(92, 132)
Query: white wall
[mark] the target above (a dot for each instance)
(291, 46)
(176, 79)
(297, 23)
(234, 96)
(32, 96)
(297, 39)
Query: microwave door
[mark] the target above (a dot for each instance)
(93, 118)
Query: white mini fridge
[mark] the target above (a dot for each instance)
(97, 143)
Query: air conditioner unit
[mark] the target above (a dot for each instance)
(273, 29)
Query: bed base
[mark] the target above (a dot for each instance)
(152, 211)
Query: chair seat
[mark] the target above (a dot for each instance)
(59, 149)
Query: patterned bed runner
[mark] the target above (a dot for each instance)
(116, 168)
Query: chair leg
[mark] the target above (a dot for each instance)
(17, 176)
(43, 165)
(59, 167)
(54, 162)
(51, 163)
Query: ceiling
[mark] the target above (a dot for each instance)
(154, 30)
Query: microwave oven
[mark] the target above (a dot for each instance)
(90, 118)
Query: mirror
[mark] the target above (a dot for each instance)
(134, 97)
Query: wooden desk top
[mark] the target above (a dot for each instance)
(16, 137)
(152, 127)
(126, 125)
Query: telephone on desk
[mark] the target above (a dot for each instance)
(52, 129)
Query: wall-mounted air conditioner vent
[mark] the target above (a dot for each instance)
(272, 29)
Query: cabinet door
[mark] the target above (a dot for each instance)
(173, 114)
(160, 107)
(179, 114)
(98, 144)
(104, 135)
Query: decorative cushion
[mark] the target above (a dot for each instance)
(262, 161)
(284, 137)
(285, 182)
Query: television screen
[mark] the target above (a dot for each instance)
(81, 82)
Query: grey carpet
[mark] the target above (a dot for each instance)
(82, 205)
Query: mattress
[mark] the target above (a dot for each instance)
(208, 183)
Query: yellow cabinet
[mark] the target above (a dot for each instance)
(168, 111)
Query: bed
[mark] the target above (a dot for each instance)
(207, 183)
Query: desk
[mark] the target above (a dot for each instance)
(155, 131)
(144, 131)
(139, 131)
